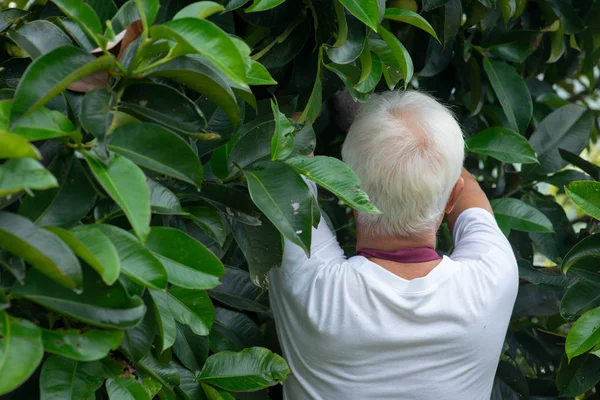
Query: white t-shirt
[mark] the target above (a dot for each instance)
(350, 329)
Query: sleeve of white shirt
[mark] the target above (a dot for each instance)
(477, 237)
(324, 247)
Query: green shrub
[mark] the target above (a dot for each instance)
(151, 151)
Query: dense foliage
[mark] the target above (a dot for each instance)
(152, 159)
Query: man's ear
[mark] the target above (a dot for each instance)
(457, 191)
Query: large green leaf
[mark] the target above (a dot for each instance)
(137, 342)
(21, 351)
(10, 16)
(64, 379)
(98, 305)
(52, 73)
(15, 146)
(587, 248)
(521, 216)
(410, 17)
(502, 144)
(399, 53)
(136, 262)
(391, 70)
(235, 203)
(285, 199)
(580, 298)
(192, 308)
(262, 248)
(162, 200)
(163, 372)
(512, 93)
(567, 128)
(199, 9)
(584, 334)
(148, 10)
(336, 177)
(190, 349)
(254, 145)
(586, 195)
(577, 376)
(121, 383)
(234, 331)
(44, 124)
(210, 221)
(40, 248)
(586, 166)
(282, 143)
(163, 105)
(84, 15)
(65, 205)
(91, 345)
(21, 174)
(94, 247)
(365, 10)
(353, 46)
(189, 388)
(125, 183)
(259, 75)
(263, 5)
(238, 291)
(188, 263)
(164, 319)
(198, 74)
(154, 147)
(313, 106)
(39, 37)
(205, 38)
(248, 370)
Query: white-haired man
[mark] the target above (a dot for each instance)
(397, 321)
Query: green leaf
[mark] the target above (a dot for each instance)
(285, 199)
(21, 174)
(125, 183)
(21, 351)
(521, 216)
(253, 146)
(305, 141)
(431, 4)
(236, 204)
(584, 334)
(400, 54)
(202, 77)
(98, 305)
(205, 38)
(586, 166)
(39, 37)
(156, 148)
(136, 262)
(189, 388)
(188, 263)
(502, 144)
(262, 248)
(10, 16)
(163, 372)
(586, 195)
(137, 342)
(353, 46)
(392, 72)
(580, 298)
(258, 75)
(84, 15)
(537, 276)
(200, 9)
(410, 17)
(163, 105)
(192, 308)
(568, 16)
(166, 322)
(46, 124)
(16, 146)
(452, 19)
(251, 369)
(512, 93)
(234, 331)
(190, 349)
(577, 376)
(62, 378)
(40, 248)
(313, 106)
(214, 394)
(210, 221)
(91, 345)
(162, 200)
(336, 177)
(65, 205)
(94, 247)
(121, 384)
(263, 5)
(282, 143)
(238, 291)
(52, 73)
(567, 128)
(587, 248)
(148, 11)
(365, 10)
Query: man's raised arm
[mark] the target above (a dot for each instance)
(472, 196)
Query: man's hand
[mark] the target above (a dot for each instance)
(472, 196)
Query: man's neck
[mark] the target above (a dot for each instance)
(389, 243)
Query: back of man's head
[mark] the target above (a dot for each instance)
(407, 149)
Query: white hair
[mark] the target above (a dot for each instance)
(407, 150)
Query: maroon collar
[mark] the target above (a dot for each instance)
(407, 256)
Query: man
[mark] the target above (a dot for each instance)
(397, 321)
